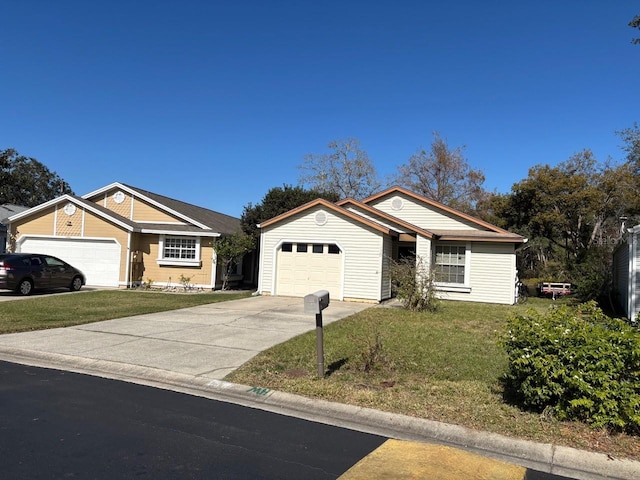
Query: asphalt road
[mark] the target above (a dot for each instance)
(56, 424)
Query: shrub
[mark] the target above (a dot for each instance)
(578, 363)
(413, 284)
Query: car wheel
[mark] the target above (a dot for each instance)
(76, 284)
(25, 287)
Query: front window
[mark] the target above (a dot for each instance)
(450, 264)
(179, 251)
(184, 248)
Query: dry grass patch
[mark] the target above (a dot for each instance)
(443, 366)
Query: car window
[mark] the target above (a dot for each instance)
(35, 261)
(54, 262)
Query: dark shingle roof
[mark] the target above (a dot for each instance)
(218, 222)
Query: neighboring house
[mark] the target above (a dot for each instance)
(6, 210)
(626, 273)
(121, 235)
(346, 248)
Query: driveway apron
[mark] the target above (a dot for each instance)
(208, 340)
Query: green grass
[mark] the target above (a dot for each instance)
(50, 311)
(443, 366)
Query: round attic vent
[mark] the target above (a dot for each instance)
(118, 197)
(396, 203)
(321, 218)
(70, 209)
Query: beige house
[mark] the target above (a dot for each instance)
(120, 236)
(346, 248)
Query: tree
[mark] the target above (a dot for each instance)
(631, 137)
(278, 200)
(571, 214)
(635, 23)
(229, 250)
(346, 171)
(443, 175)
(25, 181)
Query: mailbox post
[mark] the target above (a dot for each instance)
(315, 303)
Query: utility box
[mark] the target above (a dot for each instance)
(316, 302)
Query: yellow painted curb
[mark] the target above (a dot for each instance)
(408, 460)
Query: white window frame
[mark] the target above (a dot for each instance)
(456, 287)
(184, 262)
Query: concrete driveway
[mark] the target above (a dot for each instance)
(207, 341)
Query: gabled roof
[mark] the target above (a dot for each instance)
(81, 202)
(437, 205)
(384, 216)
(329, 206)
(199, 217)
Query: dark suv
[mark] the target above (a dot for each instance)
(24, 272)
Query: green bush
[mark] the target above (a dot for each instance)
(413, 284)
(578, 363)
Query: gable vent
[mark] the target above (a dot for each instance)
(396, 203)
(321, 218)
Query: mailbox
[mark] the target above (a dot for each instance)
(316, 302)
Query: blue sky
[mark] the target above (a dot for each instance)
(214, 103)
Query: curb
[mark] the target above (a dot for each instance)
(548, 458)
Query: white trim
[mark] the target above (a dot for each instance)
(179, 233)
(135, 193)
(456, 287)
(186, 262)
(127, 268)
(162, 223)
(64, 198)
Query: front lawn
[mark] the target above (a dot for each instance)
(51, 311)
(443, 366)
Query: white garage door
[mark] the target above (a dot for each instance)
(303, 268)
(98, 259)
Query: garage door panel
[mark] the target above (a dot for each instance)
(99, 259)
(299, 273)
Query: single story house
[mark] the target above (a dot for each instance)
(346, 248)
(6, 210)
(626, 273)
(121, 236)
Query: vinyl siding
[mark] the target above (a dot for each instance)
(621, 276)
(422, 215)
(84, 224)
(43, 224)
(134, 208)
(491, 276)
(97, 227)
(147, 246)
(362, 247)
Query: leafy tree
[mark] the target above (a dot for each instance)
(25, 181)
(444, 175)
(572, 215)
(631, 137)
(635, 23)
(230, 249)
(278, 200)
(346, 171)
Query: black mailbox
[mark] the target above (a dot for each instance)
(316, 302)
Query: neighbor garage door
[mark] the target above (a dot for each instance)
(99, 259)
(303, 268)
